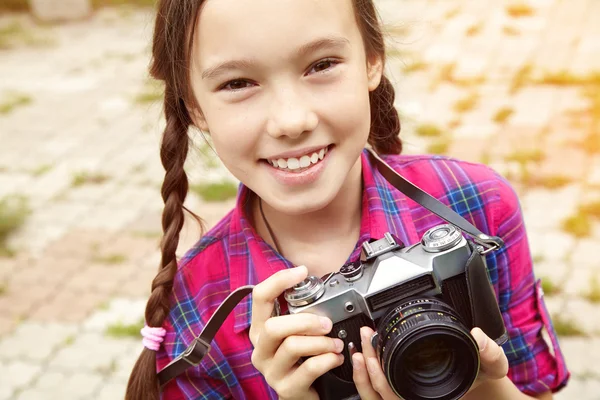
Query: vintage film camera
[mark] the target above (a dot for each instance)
(422, 300)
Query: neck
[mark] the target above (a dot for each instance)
(339, 219)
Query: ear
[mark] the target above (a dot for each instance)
(199, 120)
(374, 71)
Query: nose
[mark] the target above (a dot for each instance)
(291, 115)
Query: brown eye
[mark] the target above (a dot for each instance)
(237, 84)
(323, 65)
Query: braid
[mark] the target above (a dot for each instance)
(385, 122)
(143, 383)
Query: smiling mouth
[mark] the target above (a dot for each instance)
(299, 164)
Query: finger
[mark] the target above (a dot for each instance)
(294, 348)
(276, 329)
(494, 364)
(378, 380)
(366, 334)
(361, 378)
(265, 293)
(312, 368)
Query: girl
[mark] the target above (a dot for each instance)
(291, 91)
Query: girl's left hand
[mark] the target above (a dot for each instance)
(372, 384)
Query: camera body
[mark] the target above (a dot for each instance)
(425, 296)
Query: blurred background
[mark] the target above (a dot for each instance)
(513, 84)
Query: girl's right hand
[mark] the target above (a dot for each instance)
(280, 342)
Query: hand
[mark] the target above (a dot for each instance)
(280, 342)
(372, 384)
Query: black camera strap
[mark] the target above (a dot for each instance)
(196, 351)
(429, 202)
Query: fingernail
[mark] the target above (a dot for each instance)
(356, 363)
(481, 340)
(326, 323)
(372, 365)
(339, 345)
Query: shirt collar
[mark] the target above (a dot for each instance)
(252, 260)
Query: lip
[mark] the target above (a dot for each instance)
(297, 153)
(305, 177)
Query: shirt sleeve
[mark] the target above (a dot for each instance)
(535, 359)
(184, 322)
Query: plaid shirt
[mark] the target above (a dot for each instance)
(232, 255)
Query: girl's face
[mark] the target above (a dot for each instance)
(284, 82)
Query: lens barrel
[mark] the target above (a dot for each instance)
(426, 352)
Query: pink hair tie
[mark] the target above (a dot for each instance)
(152, 337)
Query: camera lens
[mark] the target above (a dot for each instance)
(426, 352)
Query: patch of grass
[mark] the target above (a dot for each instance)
(510, 30)
(467, 103)
(577, 225)
(549, 287)
(13, 213)
(12, 101)
(114, 3)
(152, 92)
(552, 181)
(110, 258)
(591, 209)
(538, 258)
(593, 294)
(214, 192)
(14, 5)
(88, 178)
(474, 30)
(519, 9)
(415, 67)
(147, 234)
(120, 330)
(15, 34)
(503, 114)
(451, 13)
(526, 156)
(3, 289)
(439, 146)
(69, 340)
(521, 78)
(428, 130)
(565, 78)
(41, 170)
(566, 327)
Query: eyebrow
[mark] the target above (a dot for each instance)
(302, 51)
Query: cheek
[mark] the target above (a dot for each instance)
(235, 132)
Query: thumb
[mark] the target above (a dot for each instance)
(494, 363)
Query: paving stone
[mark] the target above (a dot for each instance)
(17, 374)
(76, 386)
(118, 310)
(581, 312)
(90, 352)
(35, 342)
(563, 203)
(112, 390)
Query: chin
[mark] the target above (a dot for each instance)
(304, 203)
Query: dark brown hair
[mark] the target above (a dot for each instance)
(171, 50)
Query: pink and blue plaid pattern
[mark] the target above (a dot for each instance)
(232, 255)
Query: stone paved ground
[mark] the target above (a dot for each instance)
(508, 84)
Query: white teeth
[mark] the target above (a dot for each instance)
(304, 161)
(293, 163)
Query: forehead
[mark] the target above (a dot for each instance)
(251, 28)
